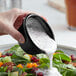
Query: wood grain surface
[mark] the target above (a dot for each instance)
(58, 4)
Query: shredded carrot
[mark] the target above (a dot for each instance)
(19, 66)
(35, 65)
(0, 54)
(54, 53)
(1, 63)
(29, 65)
(30, 56)
(70, 57)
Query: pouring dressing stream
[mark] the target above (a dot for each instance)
(40, 36)
(45, 43)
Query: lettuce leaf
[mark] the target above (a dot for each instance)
(44, 66)
(42, 56)
(44, 60)
(62, 56)
(3, 74)
(59, 51)
(18, 59)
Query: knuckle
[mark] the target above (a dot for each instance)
(17, 12)
(15, 36)
(15, 9)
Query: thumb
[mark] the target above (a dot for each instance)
(17, 35)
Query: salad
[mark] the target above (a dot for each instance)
(15, 62)
(65, 64)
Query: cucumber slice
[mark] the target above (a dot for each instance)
(26, 56)
(6, 59)
(14, 74)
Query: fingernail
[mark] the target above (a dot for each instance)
(21, 40)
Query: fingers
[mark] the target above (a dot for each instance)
(3, 34)
(39, 15)
(17, 35)
(16, 16)
(13, 14)
(19, 21)
(44, 18)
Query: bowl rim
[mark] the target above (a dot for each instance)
(58, 46)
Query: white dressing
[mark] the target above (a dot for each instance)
(45, 43)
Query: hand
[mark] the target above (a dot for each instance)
(10, 21)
